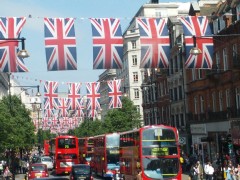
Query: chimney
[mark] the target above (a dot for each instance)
(154, 2)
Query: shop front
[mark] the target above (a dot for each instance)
(205, 140)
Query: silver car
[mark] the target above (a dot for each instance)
(46, 160)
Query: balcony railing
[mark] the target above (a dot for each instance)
(214, 72)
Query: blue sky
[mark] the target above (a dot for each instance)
(82, 10)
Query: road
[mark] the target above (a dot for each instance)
(21, 177)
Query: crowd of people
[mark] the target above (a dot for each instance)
(199, 171)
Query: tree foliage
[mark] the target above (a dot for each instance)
(16, 127)
(116, 120)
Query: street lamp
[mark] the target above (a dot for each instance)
(21, 53)
(195, 50)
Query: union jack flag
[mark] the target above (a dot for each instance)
(93, 97)
(50, 95)
(48, 112)
(62, 107)
(115, 94)
(46, 123)
(10, 28)
(198, 26)
(155, 43)
(107, 43)
(65, 121)
(79, 111)
(74, 96)
(60, 42)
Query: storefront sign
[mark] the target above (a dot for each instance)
(198, 129)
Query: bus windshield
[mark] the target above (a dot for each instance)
(112, 143)
(66, 143)
(159, 142)
(160, 168)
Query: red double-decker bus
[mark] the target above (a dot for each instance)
(46, 147)
(150, 152)
(64, 150)
(106, 154)
(86, 150)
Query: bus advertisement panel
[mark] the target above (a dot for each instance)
(86, 150)
(46, 147)
(64, 150)
(106, 154)
(150, 152)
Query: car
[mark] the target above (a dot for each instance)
(52, 178)
(46, 160)
(81, 172)
(37, 170)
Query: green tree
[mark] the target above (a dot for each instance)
(16, 127)
(116, 120)
(122, 119)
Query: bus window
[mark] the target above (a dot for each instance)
(67, 143)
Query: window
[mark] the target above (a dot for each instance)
(220, 101)
(200, 74)
(135, 77)
(180, 92)
(193, 75)
(238, 98)
(201, 104)
(195, 105)
(228, 100)
(225, 59)
(134, 60)
(214, 102)
(136, 93)
(134, 45)
(138, 108)
(217, 61)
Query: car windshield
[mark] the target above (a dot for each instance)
(47, 159)
(81, 170)
(113, 166)
(37, 168)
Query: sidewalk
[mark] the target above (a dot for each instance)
(185, 177)
(19, 176)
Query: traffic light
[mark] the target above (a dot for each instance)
(229, 144)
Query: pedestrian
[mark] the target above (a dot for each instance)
(210, 172)
(206, 168)
(7, 173)
(200, 170)
(194, 172)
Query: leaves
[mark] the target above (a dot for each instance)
(16, 127)
(116, 120)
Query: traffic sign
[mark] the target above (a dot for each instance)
(182, 140)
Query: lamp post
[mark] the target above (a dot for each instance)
(23, 52)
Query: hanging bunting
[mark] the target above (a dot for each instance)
(79, 111)
(10, 28)
(60, 43)
(93, 98)
(74, 96)
(198, 26)
(115, 94)
(155, 42)
(50, 95)
(107, 43)
(62, 107)
(48, 113)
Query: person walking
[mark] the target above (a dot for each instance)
(200, 170)
(194, 172)
(210, 172)
(206, 168)
(7, 173)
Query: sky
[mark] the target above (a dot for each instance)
(81, 10)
